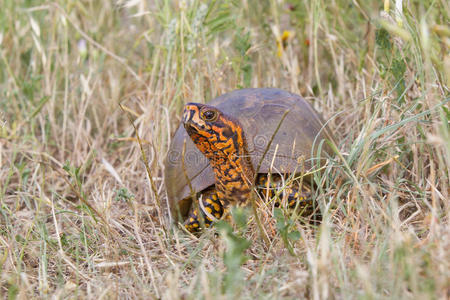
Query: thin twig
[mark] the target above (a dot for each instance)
(144, 158)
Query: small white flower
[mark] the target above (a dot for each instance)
(82, 47)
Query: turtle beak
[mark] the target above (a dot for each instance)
(191, 111)
(190, 128)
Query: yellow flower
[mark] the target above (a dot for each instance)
(282, 41)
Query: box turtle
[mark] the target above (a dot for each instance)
(224, 143)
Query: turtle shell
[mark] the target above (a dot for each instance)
(260, 111)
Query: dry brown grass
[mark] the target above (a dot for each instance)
(79, 216)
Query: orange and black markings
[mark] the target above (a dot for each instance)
(272, 188)
(211, 209)
(221, 139)
(267, 189)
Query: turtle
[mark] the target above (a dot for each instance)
(243, 139)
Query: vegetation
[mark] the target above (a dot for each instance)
(82, 216)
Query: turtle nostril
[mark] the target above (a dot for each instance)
(185, 118)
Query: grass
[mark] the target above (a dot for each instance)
(80, 217)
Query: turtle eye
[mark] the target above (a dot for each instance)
(209, 115)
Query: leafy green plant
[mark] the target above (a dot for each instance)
(284, 228)
(234, 255)
(123, 194)
(391, 62)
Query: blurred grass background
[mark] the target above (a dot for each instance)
(79, 216)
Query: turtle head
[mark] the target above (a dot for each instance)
(212, 131)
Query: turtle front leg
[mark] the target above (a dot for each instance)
(298, 198)
(211, 208)
(294, 195)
